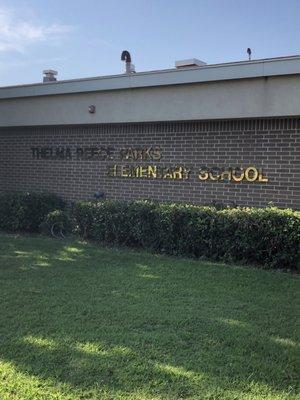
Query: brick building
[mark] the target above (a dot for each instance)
(226, 133)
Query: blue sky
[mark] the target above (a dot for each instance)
(85, 38)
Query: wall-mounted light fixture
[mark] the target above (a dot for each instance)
(92, 109)
(99, 195)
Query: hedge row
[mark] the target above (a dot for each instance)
(26, 211)
(269, 236)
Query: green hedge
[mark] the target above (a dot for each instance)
(26, 211)
(57, 223)
(269, 237)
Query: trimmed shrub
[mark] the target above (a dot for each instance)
(57, 223)
(83, 213)
(26, 211)
(269, 237)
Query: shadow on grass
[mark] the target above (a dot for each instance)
(118, 321)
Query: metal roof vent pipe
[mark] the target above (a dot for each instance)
(130, 68)
(49, 75)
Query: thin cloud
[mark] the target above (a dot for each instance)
(27, 62)
(17, 35)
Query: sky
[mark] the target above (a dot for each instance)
(84, 38)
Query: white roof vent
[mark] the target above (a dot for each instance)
(192, 62)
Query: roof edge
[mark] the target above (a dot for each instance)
(289, 65)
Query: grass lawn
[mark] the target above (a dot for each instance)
(80, 321)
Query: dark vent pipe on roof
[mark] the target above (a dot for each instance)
(125, 56)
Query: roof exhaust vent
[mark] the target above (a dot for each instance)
(49, 75)
(125, 56)
(249, 52)
(192, 62)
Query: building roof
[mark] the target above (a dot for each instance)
(279, 66)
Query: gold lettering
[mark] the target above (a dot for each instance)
(143, 172)
(135, 172)
(227, 174)
(214, 178)
(177, 174)
(137, 154)
(237, 178)
(156, 153)
(112, 171)
(129, 154)
(124, 171)
(251, 174)
(203, 175)
(145, 154)
(168, 174)
(152, 171)
(123, 153)
(262, 178)
(186, 173)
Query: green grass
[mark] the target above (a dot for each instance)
(80, 321)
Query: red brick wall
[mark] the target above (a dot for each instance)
(272, 145)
